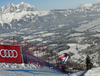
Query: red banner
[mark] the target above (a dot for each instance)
(10, 54)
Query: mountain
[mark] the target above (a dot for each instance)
(55, 28)
(24, 15)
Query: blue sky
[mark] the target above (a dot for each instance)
(49, 4)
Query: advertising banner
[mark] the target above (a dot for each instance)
(10, 54)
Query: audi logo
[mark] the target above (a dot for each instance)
(5, 53)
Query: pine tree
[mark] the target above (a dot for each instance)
(89, 65)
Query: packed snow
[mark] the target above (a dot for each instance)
(14, 69)
(91, 72)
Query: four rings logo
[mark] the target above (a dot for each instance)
(5, 53)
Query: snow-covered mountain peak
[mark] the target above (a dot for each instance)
(9, 8)
(11, 4)
(25, 5)
(94, 6)
(22, 3)
(86, 6)
(98, 1)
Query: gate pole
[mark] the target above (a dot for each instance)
(43, 55)
(28, 53)
(37, 55)
(13, 40)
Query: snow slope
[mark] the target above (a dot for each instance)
(14, 69)
(91, 72)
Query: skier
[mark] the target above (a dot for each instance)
(64, 57)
